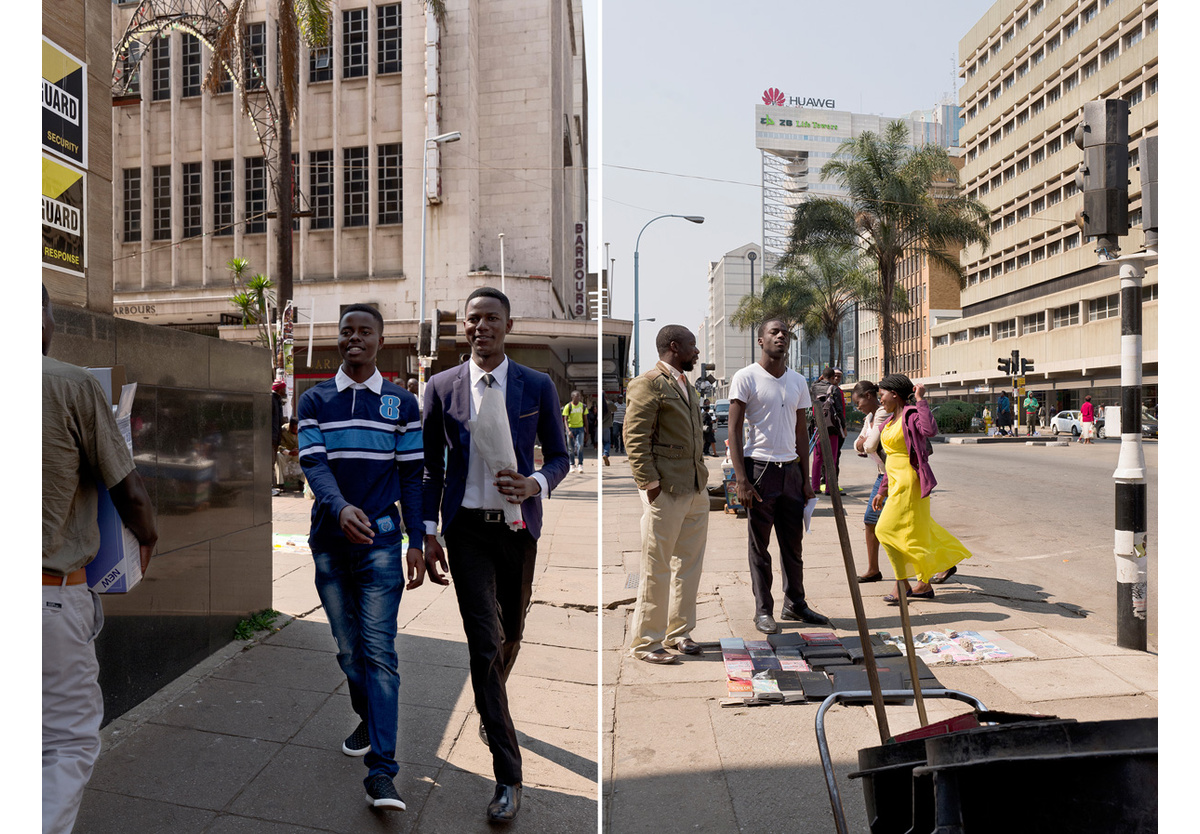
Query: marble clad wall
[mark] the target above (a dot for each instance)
(201, 442)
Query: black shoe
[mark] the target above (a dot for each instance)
(381, 793)
(505, 803)
(804, 614)
(358, 743)
(482, 732)
(766, 624)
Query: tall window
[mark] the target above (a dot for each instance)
(355, 184)
(161, 193)
(388, 35)
(391, 193)
(354, 43)
(320, 61)
(256, 55)
(1066, 316)
(133, 205)
(256, 195)
(1104, 308)
(160, 69)
(320, 189)
(191, 179)
(130, 68)
(222, 196)
(190, 65)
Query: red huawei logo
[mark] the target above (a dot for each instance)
(773, 96)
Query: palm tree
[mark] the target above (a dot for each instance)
(254, 301)
(902, 201)
(815, 293)
(298, 19)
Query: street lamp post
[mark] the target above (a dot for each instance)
(453, 136)
(750, 256)
(637, 369)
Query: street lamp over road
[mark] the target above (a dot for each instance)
(637, 369)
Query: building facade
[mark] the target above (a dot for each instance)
(194, 190)
(1039, 288)
(797, 136)
(721, 342)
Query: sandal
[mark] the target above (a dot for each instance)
(939, 578)
(892, 599)
(871, 577)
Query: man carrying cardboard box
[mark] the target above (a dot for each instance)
(81, 449)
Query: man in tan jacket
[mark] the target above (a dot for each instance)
(664, 441)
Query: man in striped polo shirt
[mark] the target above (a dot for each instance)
(361, 450)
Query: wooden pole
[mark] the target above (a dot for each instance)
(910, 650)
(860, 616)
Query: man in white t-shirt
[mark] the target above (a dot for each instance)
(772, 472)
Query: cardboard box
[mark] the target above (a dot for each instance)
(117, 567)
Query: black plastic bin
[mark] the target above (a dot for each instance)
(889, 789)
(1046, 776)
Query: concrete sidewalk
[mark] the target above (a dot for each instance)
(676, 760)
(250, 740)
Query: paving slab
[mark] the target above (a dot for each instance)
(458, 802)
(195, 769)
(285, 666)
(1053, 680)
(104, 812)
(242, 708)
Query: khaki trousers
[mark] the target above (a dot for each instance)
(674, 533)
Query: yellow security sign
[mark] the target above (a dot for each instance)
(64, 104)
(64, 219)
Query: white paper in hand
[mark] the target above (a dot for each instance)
(809, 506)
(493, 440)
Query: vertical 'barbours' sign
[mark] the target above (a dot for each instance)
(64, 104)
(580, 274)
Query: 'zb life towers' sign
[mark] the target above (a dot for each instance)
(64, 160)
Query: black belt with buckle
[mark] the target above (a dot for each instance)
(487, 516)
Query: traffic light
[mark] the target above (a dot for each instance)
(1103, 176)
(425, 339)
(1148, 168)
(1005, 365)
(1026, 366)
(1016, 361)
(706, 372)
(447, 329)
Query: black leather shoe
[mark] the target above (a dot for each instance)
(688, 646)
(482, 732)
(505, 804)
(766, 624)
(804, 614)
(659, 657)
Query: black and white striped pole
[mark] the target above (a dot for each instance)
(1130, 541)
(1129, 545)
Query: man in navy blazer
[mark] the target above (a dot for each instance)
(492, 564)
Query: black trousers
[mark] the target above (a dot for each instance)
(492, 567)
(781, 508)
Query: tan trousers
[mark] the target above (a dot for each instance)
(674, 532)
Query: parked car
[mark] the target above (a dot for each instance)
(1067, 421)
(722, 411)
(1149, 426)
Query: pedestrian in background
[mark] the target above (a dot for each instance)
(866, 399)
(574, 416)
(1004, 415)
(827, 395)
(709, 422)
(618, 432)
(1087, 416)
(278, 390)
(917, 546)
(606, 425)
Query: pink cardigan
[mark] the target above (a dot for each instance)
(918, 423)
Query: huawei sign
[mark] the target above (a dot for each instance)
(773, 95)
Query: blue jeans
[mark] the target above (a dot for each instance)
(606, 434)
(361, 590)
(577, 445)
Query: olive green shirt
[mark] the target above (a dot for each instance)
(81, 448)
(664, 439)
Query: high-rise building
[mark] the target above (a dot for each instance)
(721, 342)
(193, 183)
(1039, 288)
(797, 135)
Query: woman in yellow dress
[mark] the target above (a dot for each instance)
(916, 544)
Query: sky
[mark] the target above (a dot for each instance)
(680, 81)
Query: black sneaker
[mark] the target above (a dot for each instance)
(358, 743)
(381, 793)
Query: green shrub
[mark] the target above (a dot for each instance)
(954, 416)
